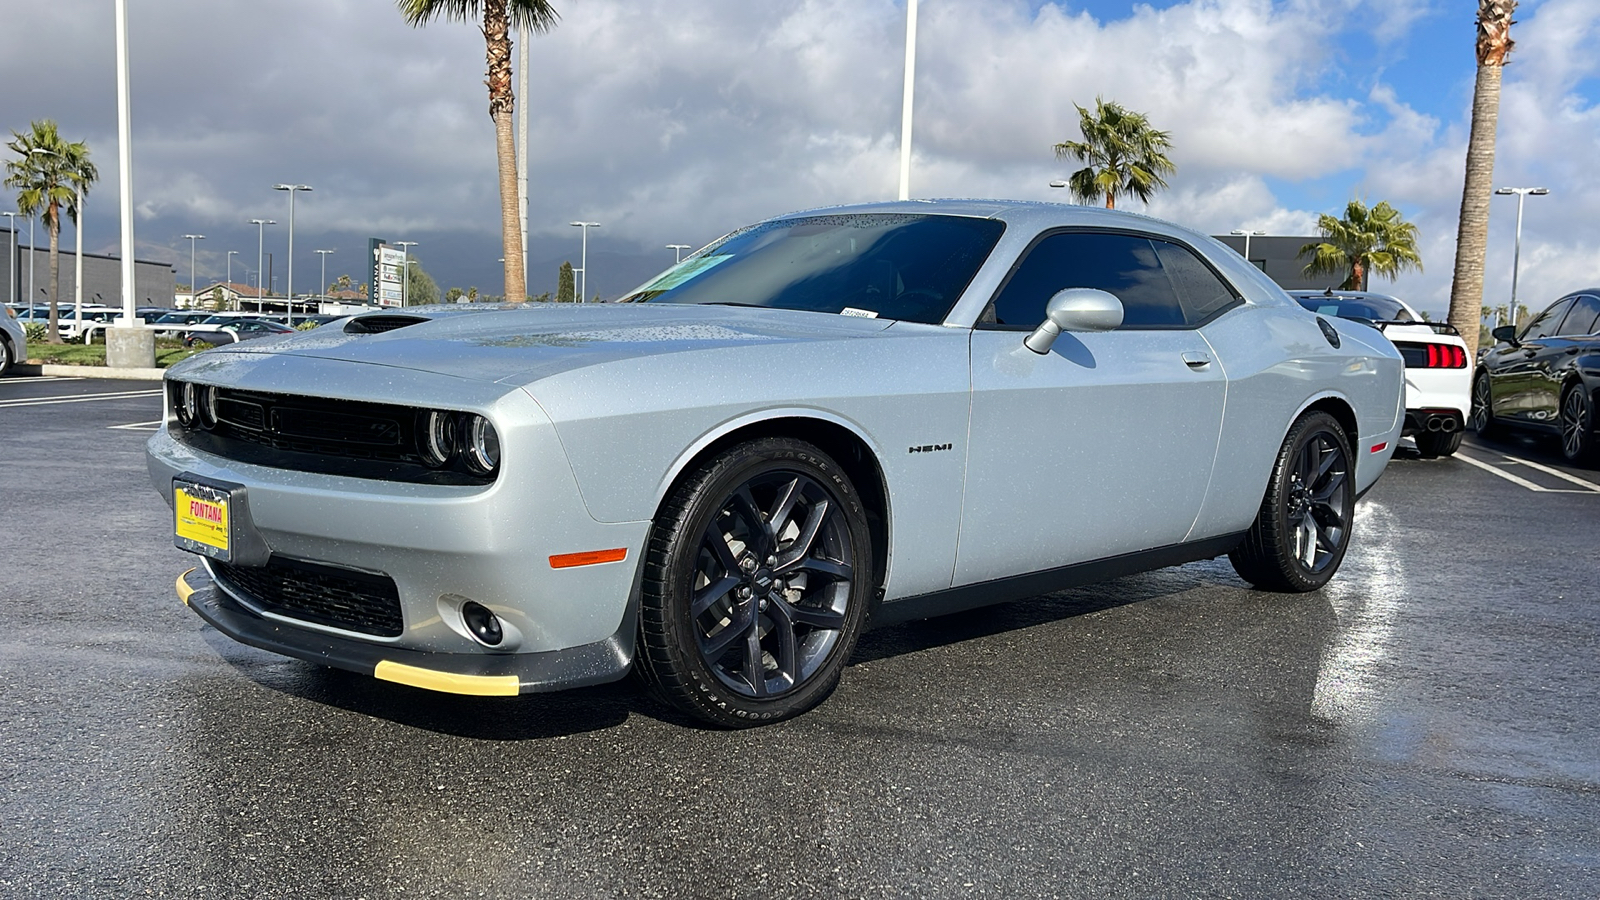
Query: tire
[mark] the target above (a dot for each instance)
(1481, 417)
(1308, 511)
(1434, 444)
(742, 623)
(6, 357)
(1577, 426)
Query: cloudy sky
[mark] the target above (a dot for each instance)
(673, 122)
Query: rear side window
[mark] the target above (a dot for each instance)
(1582, 319)
(1160, 284)
(1545, 325)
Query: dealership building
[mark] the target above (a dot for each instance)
(1279, 257)
(102, 275)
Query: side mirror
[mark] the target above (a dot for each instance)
(1506, 334)
(1074, 309)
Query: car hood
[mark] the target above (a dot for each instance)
(522, 344)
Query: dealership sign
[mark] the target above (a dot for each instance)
(388, 267)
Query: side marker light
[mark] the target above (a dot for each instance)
(588, 558)
(1379, 448)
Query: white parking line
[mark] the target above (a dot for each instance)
(36, 379)
(1523, 482)
(80, 398)
(137, 426)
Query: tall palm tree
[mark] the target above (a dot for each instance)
(1363, 243)
(1125, 154)
(50, 177)
(1472, 235)
(498, 18)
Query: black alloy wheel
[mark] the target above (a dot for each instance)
(1303, 527)
(1481, 417)
(756, 582)
(1577, 425)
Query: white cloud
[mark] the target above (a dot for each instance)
(674, 121)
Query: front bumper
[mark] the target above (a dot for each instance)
(476, 674)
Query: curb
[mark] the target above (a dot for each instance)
(89, 372)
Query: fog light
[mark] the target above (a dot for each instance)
(483, 624)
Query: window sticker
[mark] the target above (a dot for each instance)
(684, 272)
(858, 313)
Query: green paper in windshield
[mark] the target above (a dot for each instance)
(685, 271)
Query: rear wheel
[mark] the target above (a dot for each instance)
(1481, 418)
(1303, 527)
(756, 584)
(6, 357)
(1577, 425)
(1434, 444)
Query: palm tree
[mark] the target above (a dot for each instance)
(1125, 155)
(1363, 243)
(1472, 235)
(50, 177)
(498, 17)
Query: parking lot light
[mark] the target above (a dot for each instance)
(194, 289)
(678, 252)
(583, 292)
(1516, 253)
(289, 289)
(1247, 235)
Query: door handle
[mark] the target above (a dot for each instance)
(1196, 360)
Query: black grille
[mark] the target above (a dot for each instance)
(315, 434)
(340, 598)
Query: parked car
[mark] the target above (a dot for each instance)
(13, 341)
(1543, 377)
(235, 330)
(174, 323)
(1438, 373)
(725, 478)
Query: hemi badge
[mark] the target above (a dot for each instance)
(1379, 448)
(588, 558)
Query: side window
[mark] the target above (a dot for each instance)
(1581, 320)
(1200, 290)
(1545, 325)
(1161, 285)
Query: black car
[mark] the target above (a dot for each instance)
(1544, 377)
(237, 330)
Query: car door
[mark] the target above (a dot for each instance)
(1105, 444)
(1519, 374)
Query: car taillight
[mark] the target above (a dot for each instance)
(1433, 356)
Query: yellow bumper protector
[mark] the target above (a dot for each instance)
(184, 590)
(450, 683)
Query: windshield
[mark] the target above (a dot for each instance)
(1372, 307)
(888, 265)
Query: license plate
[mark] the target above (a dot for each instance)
(200, 520)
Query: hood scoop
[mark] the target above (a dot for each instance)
(378, 323)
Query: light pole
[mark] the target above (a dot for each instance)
(261, 237)
(905, 108)
(289, 285)
(405, 267)
(231, 255)
(31, 220)
(194, 289)
(1247, 235)
(324, 289)
(1516, 254)
(11, 266)
(583, 294)
(677, 252)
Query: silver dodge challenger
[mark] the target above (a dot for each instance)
(829, 420)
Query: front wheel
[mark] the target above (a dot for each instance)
(1577, 426)
(756, 582)
(1303, 527)
(5, 357)
(1481, 417)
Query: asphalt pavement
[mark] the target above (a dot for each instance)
(1425, 726)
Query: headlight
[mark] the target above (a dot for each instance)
(207, 406)
(187, 404)
(436, 440)
(482, 448)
